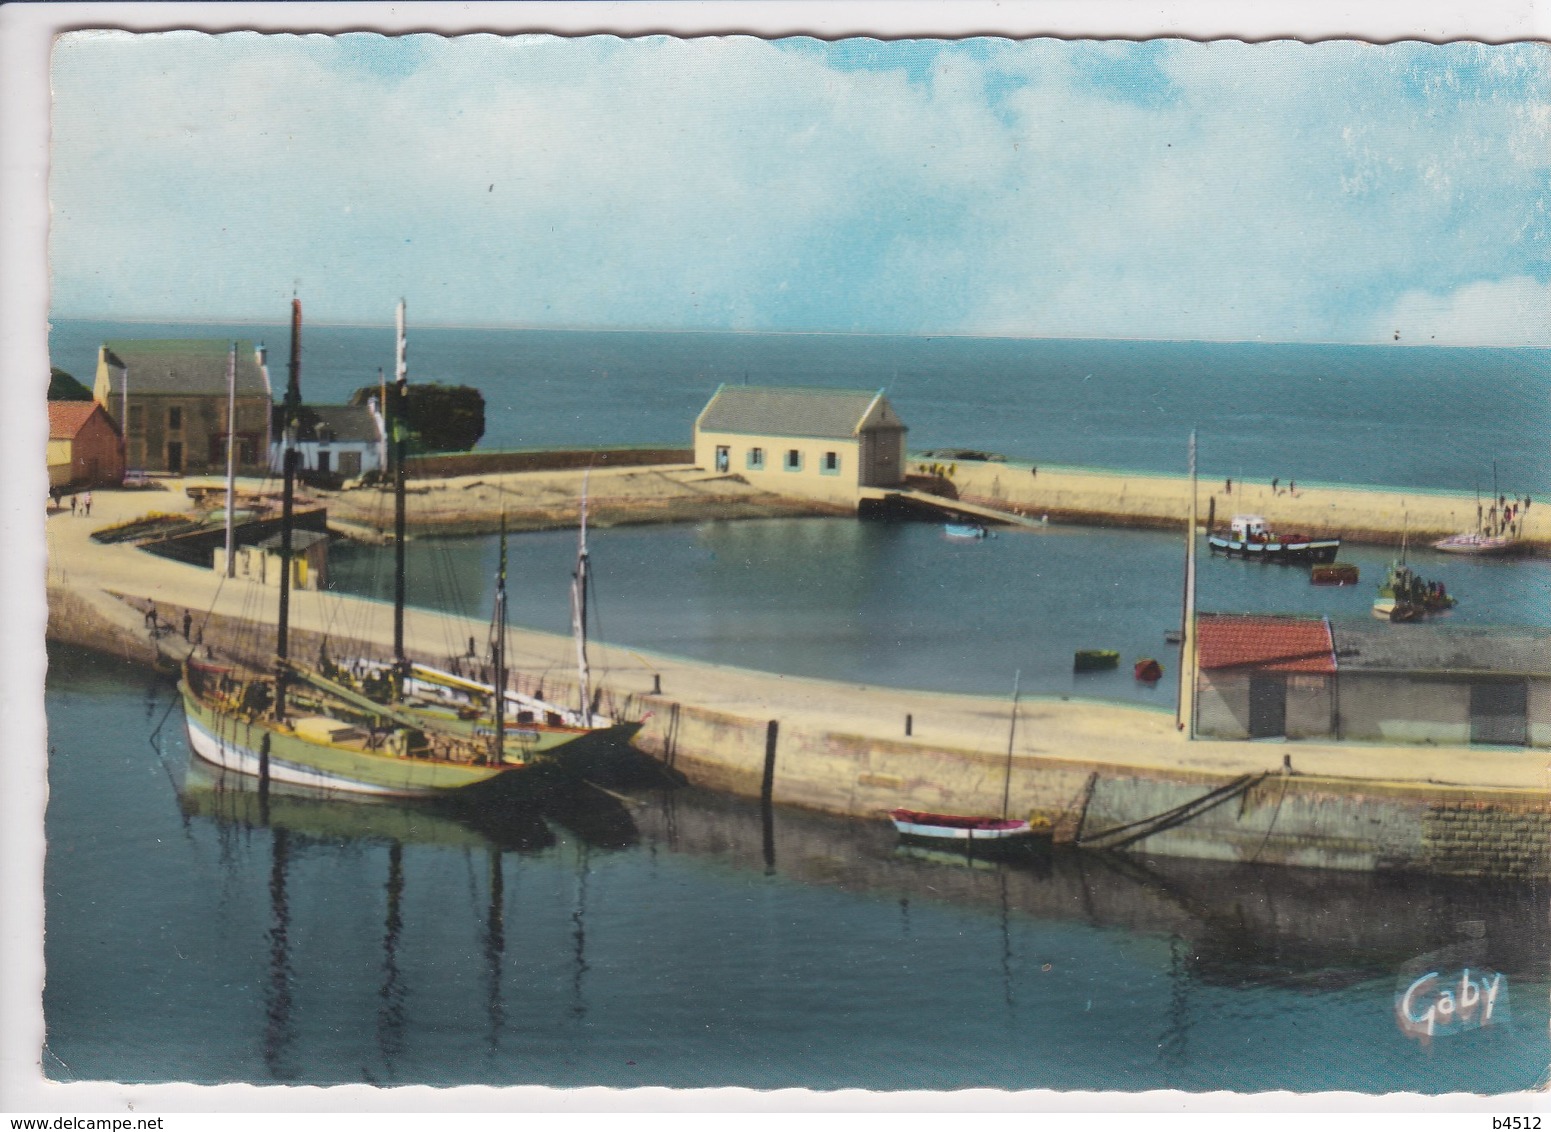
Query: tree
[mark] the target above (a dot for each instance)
(63, 387)
(441, 418)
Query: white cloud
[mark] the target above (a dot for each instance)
(1218, 191)
(1498, 312)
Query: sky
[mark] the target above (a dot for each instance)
(1333, 192)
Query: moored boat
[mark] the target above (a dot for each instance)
(1249, 537)
(1148, 670)
(372, 730)
(962, 829)
(964, 530)
(1407, 596)
(1477, 542)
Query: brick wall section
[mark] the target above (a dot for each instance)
(536, 460)
(1471, 838)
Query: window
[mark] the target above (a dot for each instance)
(723, 456)
(793, 460)
(756, 460)
(136, 417)
(830, 465)
(175, 417)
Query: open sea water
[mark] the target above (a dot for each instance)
(1410, 416)
(196, 934)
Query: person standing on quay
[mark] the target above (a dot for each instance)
(86, 501)
(72, 505)
(1274, 482)
(188, 623)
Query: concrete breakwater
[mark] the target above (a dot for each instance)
(857, 750)
(1380, 515)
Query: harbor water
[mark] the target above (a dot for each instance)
(197, 932)
(1413, 417)
(900, 604)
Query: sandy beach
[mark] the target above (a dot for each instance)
(1379, 515)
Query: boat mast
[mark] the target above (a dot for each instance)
(400, 442)
(231, 462)
(293, 401)
(1184, 718)
(579, 612)
(1012, 731)
(498, 649)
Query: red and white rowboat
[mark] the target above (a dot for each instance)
(958, 828)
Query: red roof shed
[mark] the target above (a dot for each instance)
(1267, 644)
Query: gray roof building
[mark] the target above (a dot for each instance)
(342, 424)
(178, 366)
(823, 414)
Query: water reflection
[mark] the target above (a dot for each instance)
(1227, 924)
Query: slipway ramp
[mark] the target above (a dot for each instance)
(950, 508)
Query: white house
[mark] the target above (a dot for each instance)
(343, 440)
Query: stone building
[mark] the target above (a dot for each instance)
(1372, 681)
(817, 443)
(84, 446)
(169, 399)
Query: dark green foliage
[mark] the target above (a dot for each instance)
(63, 387)
(441, 418)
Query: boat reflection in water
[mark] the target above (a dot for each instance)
(299, 817)
(1233, 924)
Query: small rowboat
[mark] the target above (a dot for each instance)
(1334, 574)
(1095, 660)
(960, 829)
(1148, 670)
(964, 530)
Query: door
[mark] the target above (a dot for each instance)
(323, 461)
(349, 464)
(1267, 705)
(723, 457)
(1499, 713)
(175, 457)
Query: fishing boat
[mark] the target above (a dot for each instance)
(1407, 596)
(1249, 537)
(367, 731)
(1333, 574)
(964, 530)
(1095, 660)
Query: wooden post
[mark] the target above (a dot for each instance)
(909, 721)
(767, 787)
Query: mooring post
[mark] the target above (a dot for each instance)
(908, 722)
(767, 787)
(656, 683)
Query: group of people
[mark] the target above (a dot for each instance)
(1276, 486)
(1505, 517)
(79, 504)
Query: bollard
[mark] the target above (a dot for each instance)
(656, 683)
(908, 722)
